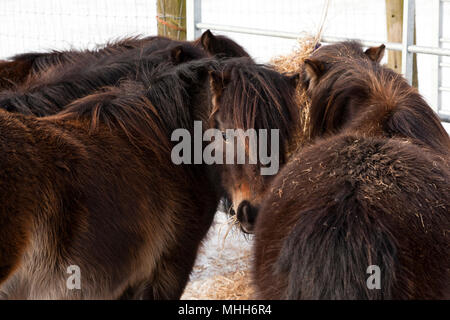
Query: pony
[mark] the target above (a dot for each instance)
(350, 91)
(21, 68)
(55, 88)
(94, 188)
(16, 71)
(370, 190)
(251, 96)
(221, 46)
(347, 205)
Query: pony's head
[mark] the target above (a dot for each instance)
(254, 108)
(350, 90)
(333, 85)
(325, 58)
(220, 46)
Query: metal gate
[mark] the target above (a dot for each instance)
(195, 25)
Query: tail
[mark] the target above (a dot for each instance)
(330, 250)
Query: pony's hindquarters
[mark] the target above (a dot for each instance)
(356, 218)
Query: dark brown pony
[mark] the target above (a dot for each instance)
(352, 93)
(21, 68)
(50, 91)
(349, 202)
(372, 190)
(220, 46)
(95, 187)
(250, 96)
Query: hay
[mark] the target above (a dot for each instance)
(223, 263)
(230, 286)
(293, 63)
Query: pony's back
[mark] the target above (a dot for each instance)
(350, 92)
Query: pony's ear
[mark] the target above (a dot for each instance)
(376, 53)
(206, 39)
(219, 81)
(314, 69)
(177, 54)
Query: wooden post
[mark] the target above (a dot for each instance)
(394, 20)
(172, 19)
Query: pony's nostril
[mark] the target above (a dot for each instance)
(242, 211)
(246, 215)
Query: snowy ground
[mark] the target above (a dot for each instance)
(221, 269)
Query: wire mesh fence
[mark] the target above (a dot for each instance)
(344, 18)
(363, 19)
(35, 25)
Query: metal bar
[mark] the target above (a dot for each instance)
(435, 35)
(367, 43)
(260, 32)
(446, 89)
(445, 117)
(444, 39)
(292, 35)
(445, 64)
(326, 39)
(408, 39)
(193, 15)
(439, 58)
(429, 50)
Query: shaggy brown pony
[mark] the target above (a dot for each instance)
(346, 203)
(352, 93)
(50, 91)
(19, 68)
(221, 46)
(18, 71)
(95, 187)
(250, 96)
(359, 195)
